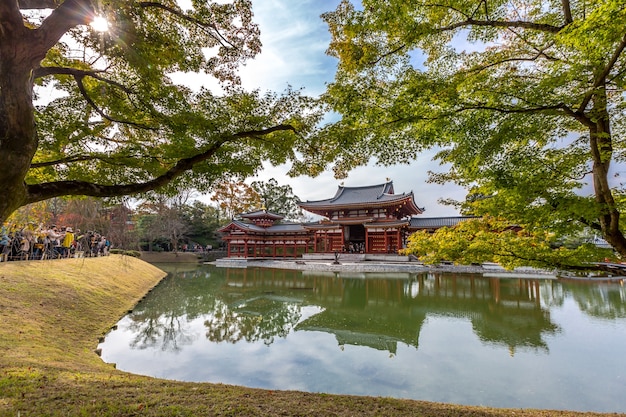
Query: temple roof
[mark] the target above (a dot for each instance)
(436, 222)
(274, 229)
(379, 195)
(388, 224)
(261, 214)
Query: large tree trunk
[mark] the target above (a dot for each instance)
(602, 154)
(18, 140)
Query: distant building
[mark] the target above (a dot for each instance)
(261, 234)
(370, 219)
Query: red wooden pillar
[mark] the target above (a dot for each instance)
(398, 240)
(342, 238)
(386, 234)
(326, 241)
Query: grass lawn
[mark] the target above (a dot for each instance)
(52, 314)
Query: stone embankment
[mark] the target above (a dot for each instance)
(490, 270)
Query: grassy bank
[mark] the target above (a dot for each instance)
(52, 314)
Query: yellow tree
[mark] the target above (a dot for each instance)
(235, 198)
(494, 240)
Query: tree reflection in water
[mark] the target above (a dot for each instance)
(374, 310)
(256, 319)
(600, 301)
(161, 319)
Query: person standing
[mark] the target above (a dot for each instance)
(52, 242)
(5, 244)
(68, 241)
(26, 244)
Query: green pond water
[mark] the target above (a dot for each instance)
(456, 338)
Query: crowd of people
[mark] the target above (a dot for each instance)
(23, 243)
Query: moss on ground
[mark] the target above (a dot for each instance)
(52, 314)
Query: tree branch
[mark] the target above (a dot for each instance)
(11, 21)
(388, 53)
(83, 91)
(558, 108)
(513, 110)
(469, 21)
(38, 4)
(567, 12)
(539, 54)
(44, 191)
(45, 71)
(69, 14)
(116, 161)
(66, 160)
(79, 74)
(542, 27)
(601, 77)
(204, 25)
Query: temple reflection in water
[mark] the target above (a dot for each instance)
(381, 310)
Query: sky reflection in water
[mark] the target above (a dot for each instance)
(449, 338)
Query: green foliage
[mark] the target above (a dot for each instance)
(110, 121)
(278, 199)
(522, 103)
(491, 240)
(133, 253)
(202, 222)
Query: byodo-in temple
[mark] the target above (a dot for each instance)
(369, 220)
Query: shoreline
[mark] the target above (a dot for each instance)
(484, 270)
(487, 270)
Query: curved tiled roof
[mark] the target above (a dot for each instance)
(387, 224)
(264, 214)
(437, 222)
(371, 196)
(276, 228)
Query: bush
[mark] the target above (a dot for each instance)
(133, 253)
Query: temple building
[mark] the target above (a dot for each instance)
(370, 220)
(262, 234)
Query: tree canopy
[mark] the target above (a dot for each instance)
(235, 198)
(115, 123)
(278, 198)
(524, 100)
(487, 239)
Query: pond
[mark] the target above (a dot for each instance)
(455, 338)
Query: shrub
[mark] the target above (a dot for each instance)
(133, 253)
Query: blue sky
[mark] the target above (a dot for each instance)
(294, 41)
